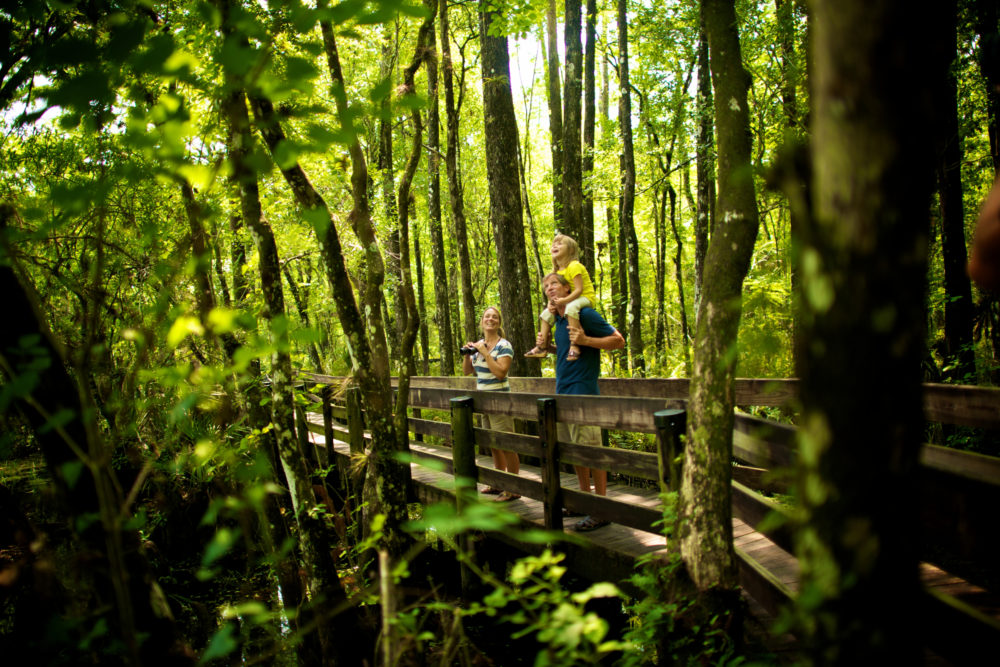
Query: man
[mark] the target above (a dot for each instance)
(579, 376)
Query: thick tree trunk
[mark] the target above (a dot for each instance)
(705, 170)
(455, 196)
(960, 357)
(864, 324)
(505, 198)
(555, 113)
(626, 216)
(705, 507)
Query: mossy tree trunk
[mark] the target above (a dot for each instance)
(706, 527)
(864, 276)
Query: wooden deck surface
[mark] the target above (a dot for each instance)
(610, 553)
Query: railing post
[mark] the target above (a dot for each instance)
(551, 491)
(326, 453)
(670, 426)
(355, 439)
(466, 473)
(463, 449)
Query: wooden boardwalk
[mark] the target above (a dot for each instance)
(959, 621)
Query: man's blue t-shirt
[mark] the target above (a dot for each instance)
(580, 376)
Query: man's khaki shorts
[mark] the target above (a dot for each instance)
(579, 434)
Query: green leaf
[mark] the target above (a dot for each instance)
(220, 645)
(71, 471)
(286, 153)
(182, 327)
(221, 543)
(57, 420)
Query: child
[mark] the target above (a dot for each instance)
(566, 262)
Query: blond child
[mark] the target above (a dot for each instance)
(565, 262)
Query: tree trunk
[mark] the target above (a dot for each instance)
(505, 197)
(442, 307)
(625, 218)
(864, 322)
(960, 360)
(705, 170)
(589, 102)
(986, 29)
(705, 506)
(555, 114)
(679, 276)
(321, 571)
(386, 167)
(618, 357)
(455, 196)
(425, 367)
(572, 175)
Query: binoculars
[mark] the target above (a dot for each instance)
(467, 350)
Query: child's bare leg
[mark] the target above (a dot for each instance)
(541, 341)
(574, 349)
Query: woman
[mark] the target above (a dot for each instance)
(490, 363)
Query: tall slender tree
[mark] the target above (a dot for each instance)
(572, 175)
(589, 121)
(960, 358)
(626, 215)
(455, 196)
(442, 308)
(554, 90)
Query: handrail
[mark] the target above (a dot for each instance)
(960, 490)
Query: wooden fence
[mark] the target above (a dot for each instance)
(959, 491)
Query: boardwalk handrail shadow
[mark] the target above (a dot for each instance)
(958, 499)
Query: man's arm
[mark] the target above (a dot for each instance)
(984, 265)
(612, 342)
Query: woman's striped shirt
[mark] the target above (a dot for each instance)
(485, 380)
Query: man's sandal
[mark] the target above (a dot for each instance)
(505, 497)
(589, 523)
(536, 353)
(489, 490)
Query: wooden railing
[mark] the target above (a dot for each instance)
(959, 498)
